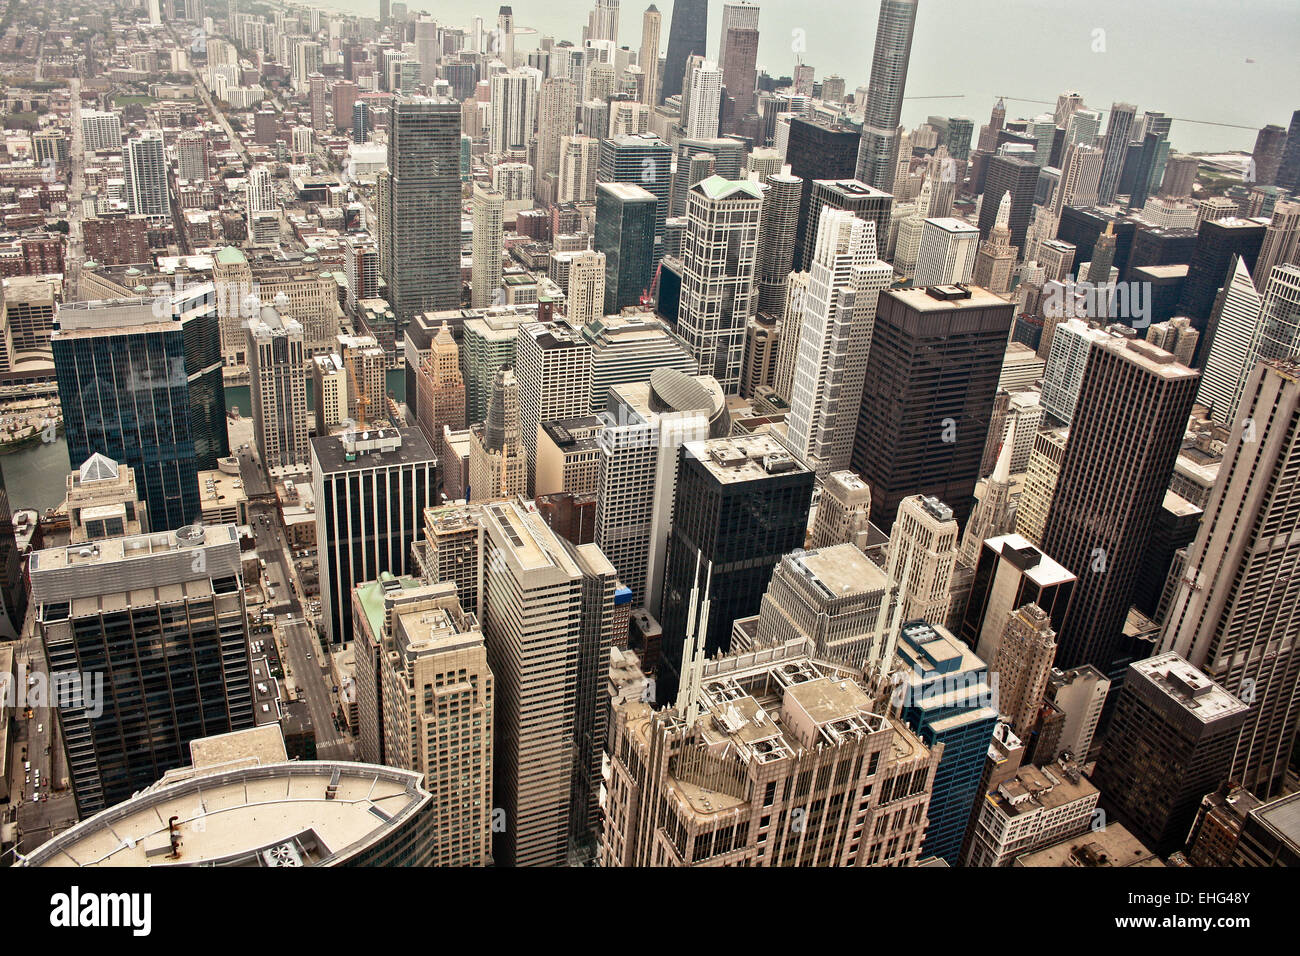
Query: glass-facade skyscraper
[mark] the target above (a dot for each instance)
(140, 381)
(686, 37)
(878, 151)
(625, 233)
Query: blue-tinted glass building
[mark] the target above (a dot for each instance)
(140, 382)
(946, 699)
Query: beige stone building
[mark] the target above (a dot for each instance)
(779, 760)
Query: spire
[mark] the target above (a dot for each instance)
(1004, 211)
(1002, 470)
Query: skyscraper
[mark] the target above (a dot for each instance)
(1170, 742)
(646, 161)
(687, 36)
(370, 490)
(948, 253)
(110, 613)
(651, 26)
(277, 373)
(420, 241)
(706, 97)
(488, 207)
(1217, 241)
(944, 696)
(922, 554)
(533, 617)
(858, 198)
(1023, 665)
(878, 152)
(740, 505)
(1119, 129)
(497, 467)
(928, 395)
(140, 381)
(553, 365)
(625, 235)
(1126, 432)
(1236, 326)
(144, 166)
(819, 150)
(585, 299)
(557, 106)
(839, 312)
(514, 111)
(778, 225)
(1236, 611)
(1009, 175)
(719, 253)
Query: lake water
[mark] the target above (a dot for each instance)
(34, 477)
(1186, 58)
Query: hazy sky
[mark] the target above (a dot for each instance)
(1182, 57)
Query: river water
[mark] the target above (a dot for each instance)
(35, 476)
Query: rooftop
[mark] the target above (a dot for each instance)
(372, 448)
(1181, 682)
(732, 460)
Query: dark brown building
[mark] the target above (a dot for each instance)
(1126, 433)
(932, 373)
(117, 242)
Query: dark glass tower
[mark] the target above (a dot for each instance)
(420, 225)
(686, 36)
(1125, 435)
(740, 505)
(647, 161)
(145, 389)
(159, 620)
(932, 372)
(1020, 178)
(819, 151)
(1288, 171)
(1217, 242)
(625, 233)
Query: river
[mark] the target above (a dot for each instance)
(35, 476)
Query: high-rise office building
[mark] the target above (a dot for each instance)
(626, 349)
(497, 467)
(922, 554)
(738, 61)
(996, 259)
(719, 254)
(843, 511)
(488, 212)
(740, 505)
(1281, 243)
(1234, 614)
(438, 715)
(277, 373)
(1217, 242)
(1009, 175)
(420, 239)
(819, 150)
(697, 160)
(533, 618)
(839, 599)
(514, 111)
(858, 198)
(1119, 130)
(625, 236)
(1288, 170)
(929, 394)
(1170, 742)
(948, 254)
(687, 36)
(140, 381)
(845, 282)
(878, 153)
(585, 295)
(370, 488)
(144, 167)
(1236, 327)
(706, 97)
(108, 611)
(944, 696)
(1126, 432)
(579, 156)
(645, 160)
(651, 27)
(1023, 665)
(868, 788)
(557, 105)
(439, 389)
(553, 366)
(1267, 155)
(1010, 573)
(639, 447)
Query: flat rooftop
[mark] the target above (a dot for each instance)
(733, 460)
(841, 570)
(395, 446)
(1183, 683)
